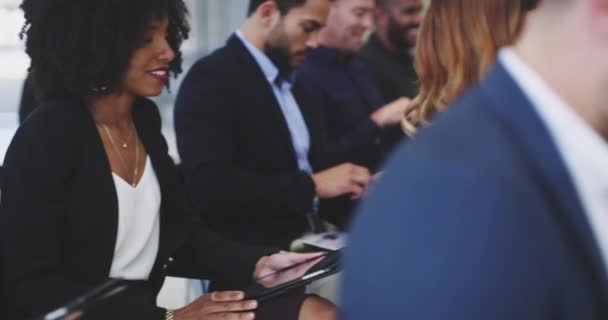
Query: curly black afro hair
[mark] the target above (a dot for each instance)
(79, 46)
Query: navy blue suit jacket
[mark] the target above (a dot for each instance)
(340, 86)
(476, 218)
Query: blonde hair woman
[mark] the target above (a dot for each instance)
(457, 43)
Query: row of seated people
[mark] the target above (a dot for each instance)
(354, 101)
(392, 227)
(260, 155)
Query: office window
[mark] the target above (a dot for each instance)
(13, 67)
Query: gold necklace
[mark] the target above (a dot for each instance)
(124, 143)
(122, 160)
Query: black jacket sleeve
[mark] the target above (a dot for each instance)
(207, 255)
(204, 253)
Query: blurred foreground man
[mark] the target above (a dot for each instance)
(499, 209)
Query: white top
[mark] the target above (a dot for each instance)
(138, 226)
(583, 150)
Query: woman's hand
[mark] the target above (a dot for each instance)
(227, 305)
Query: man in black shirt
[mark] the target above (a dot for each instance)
(361, 125)
(389, 51)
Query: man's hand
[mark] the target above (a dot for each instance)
(346, 178)
(227, 305)
(390, 114)
(266, 269)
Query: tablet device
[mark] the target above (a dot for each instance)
(331, 241)
(294, 276)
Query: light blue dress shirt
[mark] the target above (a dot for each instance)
(298, 130)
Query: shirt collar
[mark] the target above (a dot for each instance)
(585, 152)
(271, 72)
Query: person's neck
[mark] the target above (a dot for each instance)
(112, 110)
(386, 43)
(250, 31)
(569, 70)
(341, 52)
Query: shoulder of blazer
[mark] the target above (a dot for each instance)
(216, 71)
(51, 141)
(222, 60)
(56, 123)
(229, 63)
(60, 113)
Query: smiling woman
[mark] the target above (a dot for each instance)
(149, 64)
(92, 67)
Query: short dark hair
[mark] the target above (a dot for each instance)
(283, 5)
(78, 45)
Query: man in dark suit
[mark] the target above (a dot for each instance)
(499, 209)
(252, 149)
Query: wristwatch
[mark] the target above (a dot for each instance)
(169, 314)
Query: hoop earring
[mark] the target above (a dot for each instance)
(99, 90)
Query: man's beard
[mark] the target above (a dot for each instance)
(397, 35)
(280, 56)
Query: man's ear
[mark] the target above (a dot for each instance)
(269, 13)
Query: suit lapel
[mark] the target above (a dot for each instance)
(550, 171)
(106, 198)
(261, 89)
(174, 222)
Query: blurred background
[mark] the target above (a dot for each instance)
(212, 21)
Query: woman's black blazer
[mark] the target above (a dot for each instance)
(59, 217)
